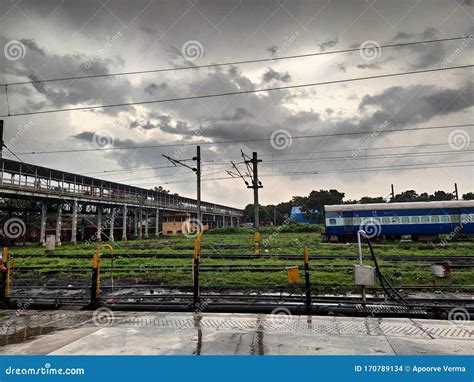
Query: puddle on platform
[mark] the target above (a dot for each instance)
(25, 334)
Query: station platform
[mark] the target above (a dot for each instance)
(105, 332)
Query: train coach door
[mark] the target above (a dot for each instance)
(455, 217)
(348, 217)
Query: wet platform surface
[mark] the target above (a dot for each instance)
(106, 332)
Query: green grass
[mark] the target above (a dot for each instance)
(324, 272)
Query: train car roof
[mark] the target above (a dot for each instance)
(400, 206)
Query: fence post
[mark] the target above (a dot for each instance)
(5, 271)
(196, 260)
(257, 242)
(95, 286)
(307, 280)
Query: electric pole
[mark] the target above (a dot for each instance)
(252, 173)
(197, 158)
(1, 139)
(197, 170)
(456, 194)
(256, 184)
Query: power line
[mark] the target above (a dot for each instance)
(234, 62)
(244, 140)
(237, 175)
(223, 160)
(368, 169)
(369, 157)
(203, 96)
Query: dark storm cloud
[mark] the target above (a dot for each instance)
(418, 103)
(328, 44)
(272, 75)
(240, 113)
(153, 88)
(39, 64)
(372, 65)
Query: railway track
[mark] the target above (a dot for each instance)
(390, 258)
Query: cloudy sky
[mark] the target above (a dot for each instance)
(56, 39)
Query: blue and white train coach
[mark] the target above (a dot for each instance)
(421, 220)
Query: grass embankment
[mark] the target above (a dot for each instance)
(177, 272)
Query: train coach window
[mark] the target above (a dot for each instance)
(357, 221)
(347, 221)
(385, 220)
(425, 219)
(455, 218)
(405, 219)
(445, 218)
(415, 219)
(435, 219)
(332, 221)
(396, 220)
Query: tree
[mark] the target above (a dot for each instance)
(468, 196)
(370, 199)
(161, 190)
(405, 196)
(442, 195)
(318, 199)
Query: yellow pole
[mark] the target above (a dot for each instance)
(257, 242)
(6, 262)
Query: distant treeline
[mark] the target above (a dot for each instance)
(316, 200)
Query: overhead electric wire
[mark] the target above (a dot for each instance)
(318, 172)
(223, 160)
(244, 140)
(251, 91)
(241, 62)
(364, 169)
